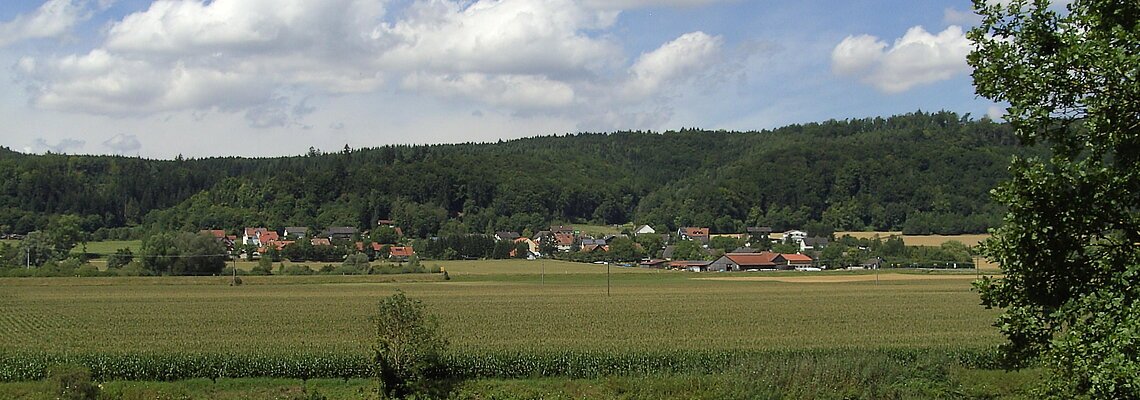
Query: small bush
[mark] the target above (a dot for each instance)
(72, 382)
(409, 350)
(300, 269)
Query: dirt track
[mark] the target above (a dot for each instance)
(816, 278)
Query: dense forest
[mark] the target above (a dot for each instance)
(919, 172)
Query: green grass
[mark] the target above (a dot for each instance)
(601, 230)
(491, 307)
(810, 379)
(109, 247)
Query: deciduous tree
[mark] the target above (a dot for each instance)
(1069, 243)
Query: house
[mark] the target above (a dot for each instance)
(296, 232)
(590, 248)
(564, 241)
(798, 260)
(667, 252)
(644, 230)
(794, 235)
(339, 233)
(278, 245)
(749, 261)
(259, 236)
(654, 263)
(556, 229)
(375, 246)
(532, 247)
(693, 233)
(506, 236)
(386, 222)
(760, 232)
(220, 236)
(320, 241)
(812, 243)
(401, 252)
(872, 263)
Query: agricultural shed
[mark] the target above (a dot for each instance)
(747, 261)
(694, 266)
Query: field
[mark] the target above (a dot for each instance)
(497, 306)
(921, 240)
(109, 247)
(932, 240)
(511, 319)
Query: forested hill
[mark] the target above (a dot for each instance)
(920, 172)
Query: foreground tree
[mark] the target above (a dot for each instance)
(1069, 243)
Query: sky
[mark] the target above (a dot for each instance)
(262, 78)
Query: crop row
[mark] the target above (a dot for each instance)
(28, 366)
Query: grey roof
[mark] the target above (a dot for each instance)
(815, 241)
(340, 230)
(507, 235)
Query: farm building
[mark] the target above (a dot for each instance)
(296, 232)
(747, 261)
(798, 260)
(694, 266)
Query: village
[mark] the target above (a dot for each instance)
(687, 248)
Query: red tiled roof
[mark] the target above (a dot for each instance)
(797, 257)
(401, 251)
(375, 246)
(758, 259)
(683, 264)
(216, 233)
(695, 232)
(280, 244)
(321, 242)
(564, 239)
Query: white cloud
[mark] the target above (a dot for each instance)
(260, 58)
(61, 147)
(54, 18)
(917, 58)
(996, 112)
(631, 4)
(123, 144)
(513, 91)
(676, 60)
(500, 37)
(951, 16)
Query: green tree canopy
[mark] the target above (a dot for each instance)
(1068, 245)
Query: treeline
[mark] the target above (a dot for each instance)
(919, 173)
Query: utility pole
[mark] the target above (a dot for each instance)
(234, 281)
